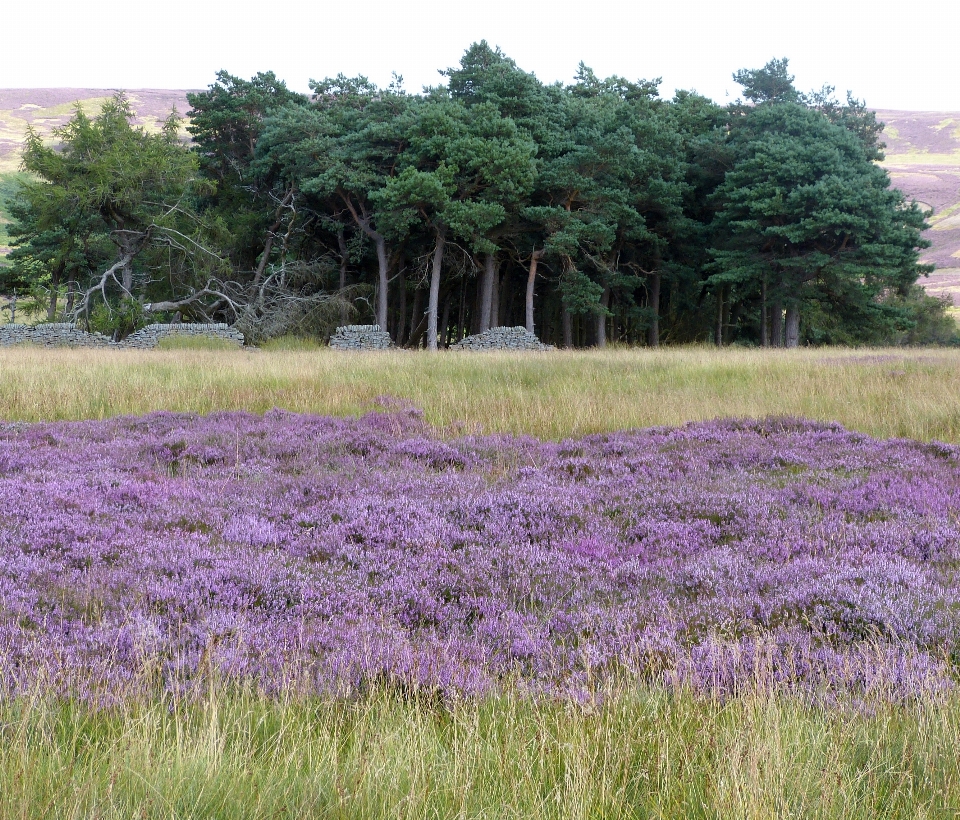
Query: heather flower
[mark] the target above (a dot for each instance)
(330, 554)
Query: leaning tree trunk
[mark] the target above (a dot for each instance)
(531, 279)
(434, 302)
(362, 220)
(792, 326)
(268, 241)
(653, 332)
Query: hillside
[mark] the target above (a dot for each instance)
(923, 156)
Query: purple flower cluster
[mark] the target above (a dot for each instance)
(337, 554)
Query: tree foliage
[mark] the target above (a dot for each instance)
(107, 213)
(589, 212)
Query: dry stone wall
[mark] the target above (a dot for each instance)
(360, 337)
(69, 335)
(51, 335)
(150, 336)
(502, 338)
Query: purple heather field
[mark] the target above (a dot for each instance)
(331, 555)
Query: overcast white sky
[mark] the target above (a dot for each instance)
(893, 56)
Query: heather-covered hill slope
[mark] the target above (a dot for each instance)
(923, 158)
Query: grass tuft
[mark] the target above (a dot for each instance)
(184, 342)
(290, 342)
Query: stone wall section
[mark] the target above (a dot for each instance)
(502, 338)
(360, 337)
(69, 335)
(57, 334)
(149, 337)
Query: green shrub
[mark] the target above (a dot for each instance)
(119, 320)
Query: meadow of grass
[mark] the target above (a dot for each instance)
(884, 393)
(639, 750)
(642, 753)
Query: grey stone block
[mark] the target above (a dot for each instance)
(61, 334)
(502, 338)
(360, 337)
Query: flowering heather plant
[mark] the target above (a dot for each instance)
(328, 554)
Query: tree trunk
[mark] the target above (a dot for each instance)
(486, 298)
(268, 242)
(383, 280)
(653, 332)
(344, 256)
(764, 330)
(126, 278)
(417, 335)
(567, 321)
(416, 314)
(362, 221)
(495, 300)
(718, 336)
(476, 312)
(55, 290)
(792, 326)
(402, 319)
(445, 319)
(731, 322)
(434, 303)
(776, 325)
(531, 279)
(601, 318)
(461, 332)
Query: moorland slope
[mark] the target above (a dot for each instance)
(923, 159)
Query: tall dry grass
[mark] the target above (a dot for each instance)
(642, 753)
(552, 395)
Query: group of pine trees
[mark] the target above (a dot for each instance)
(590, 213)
